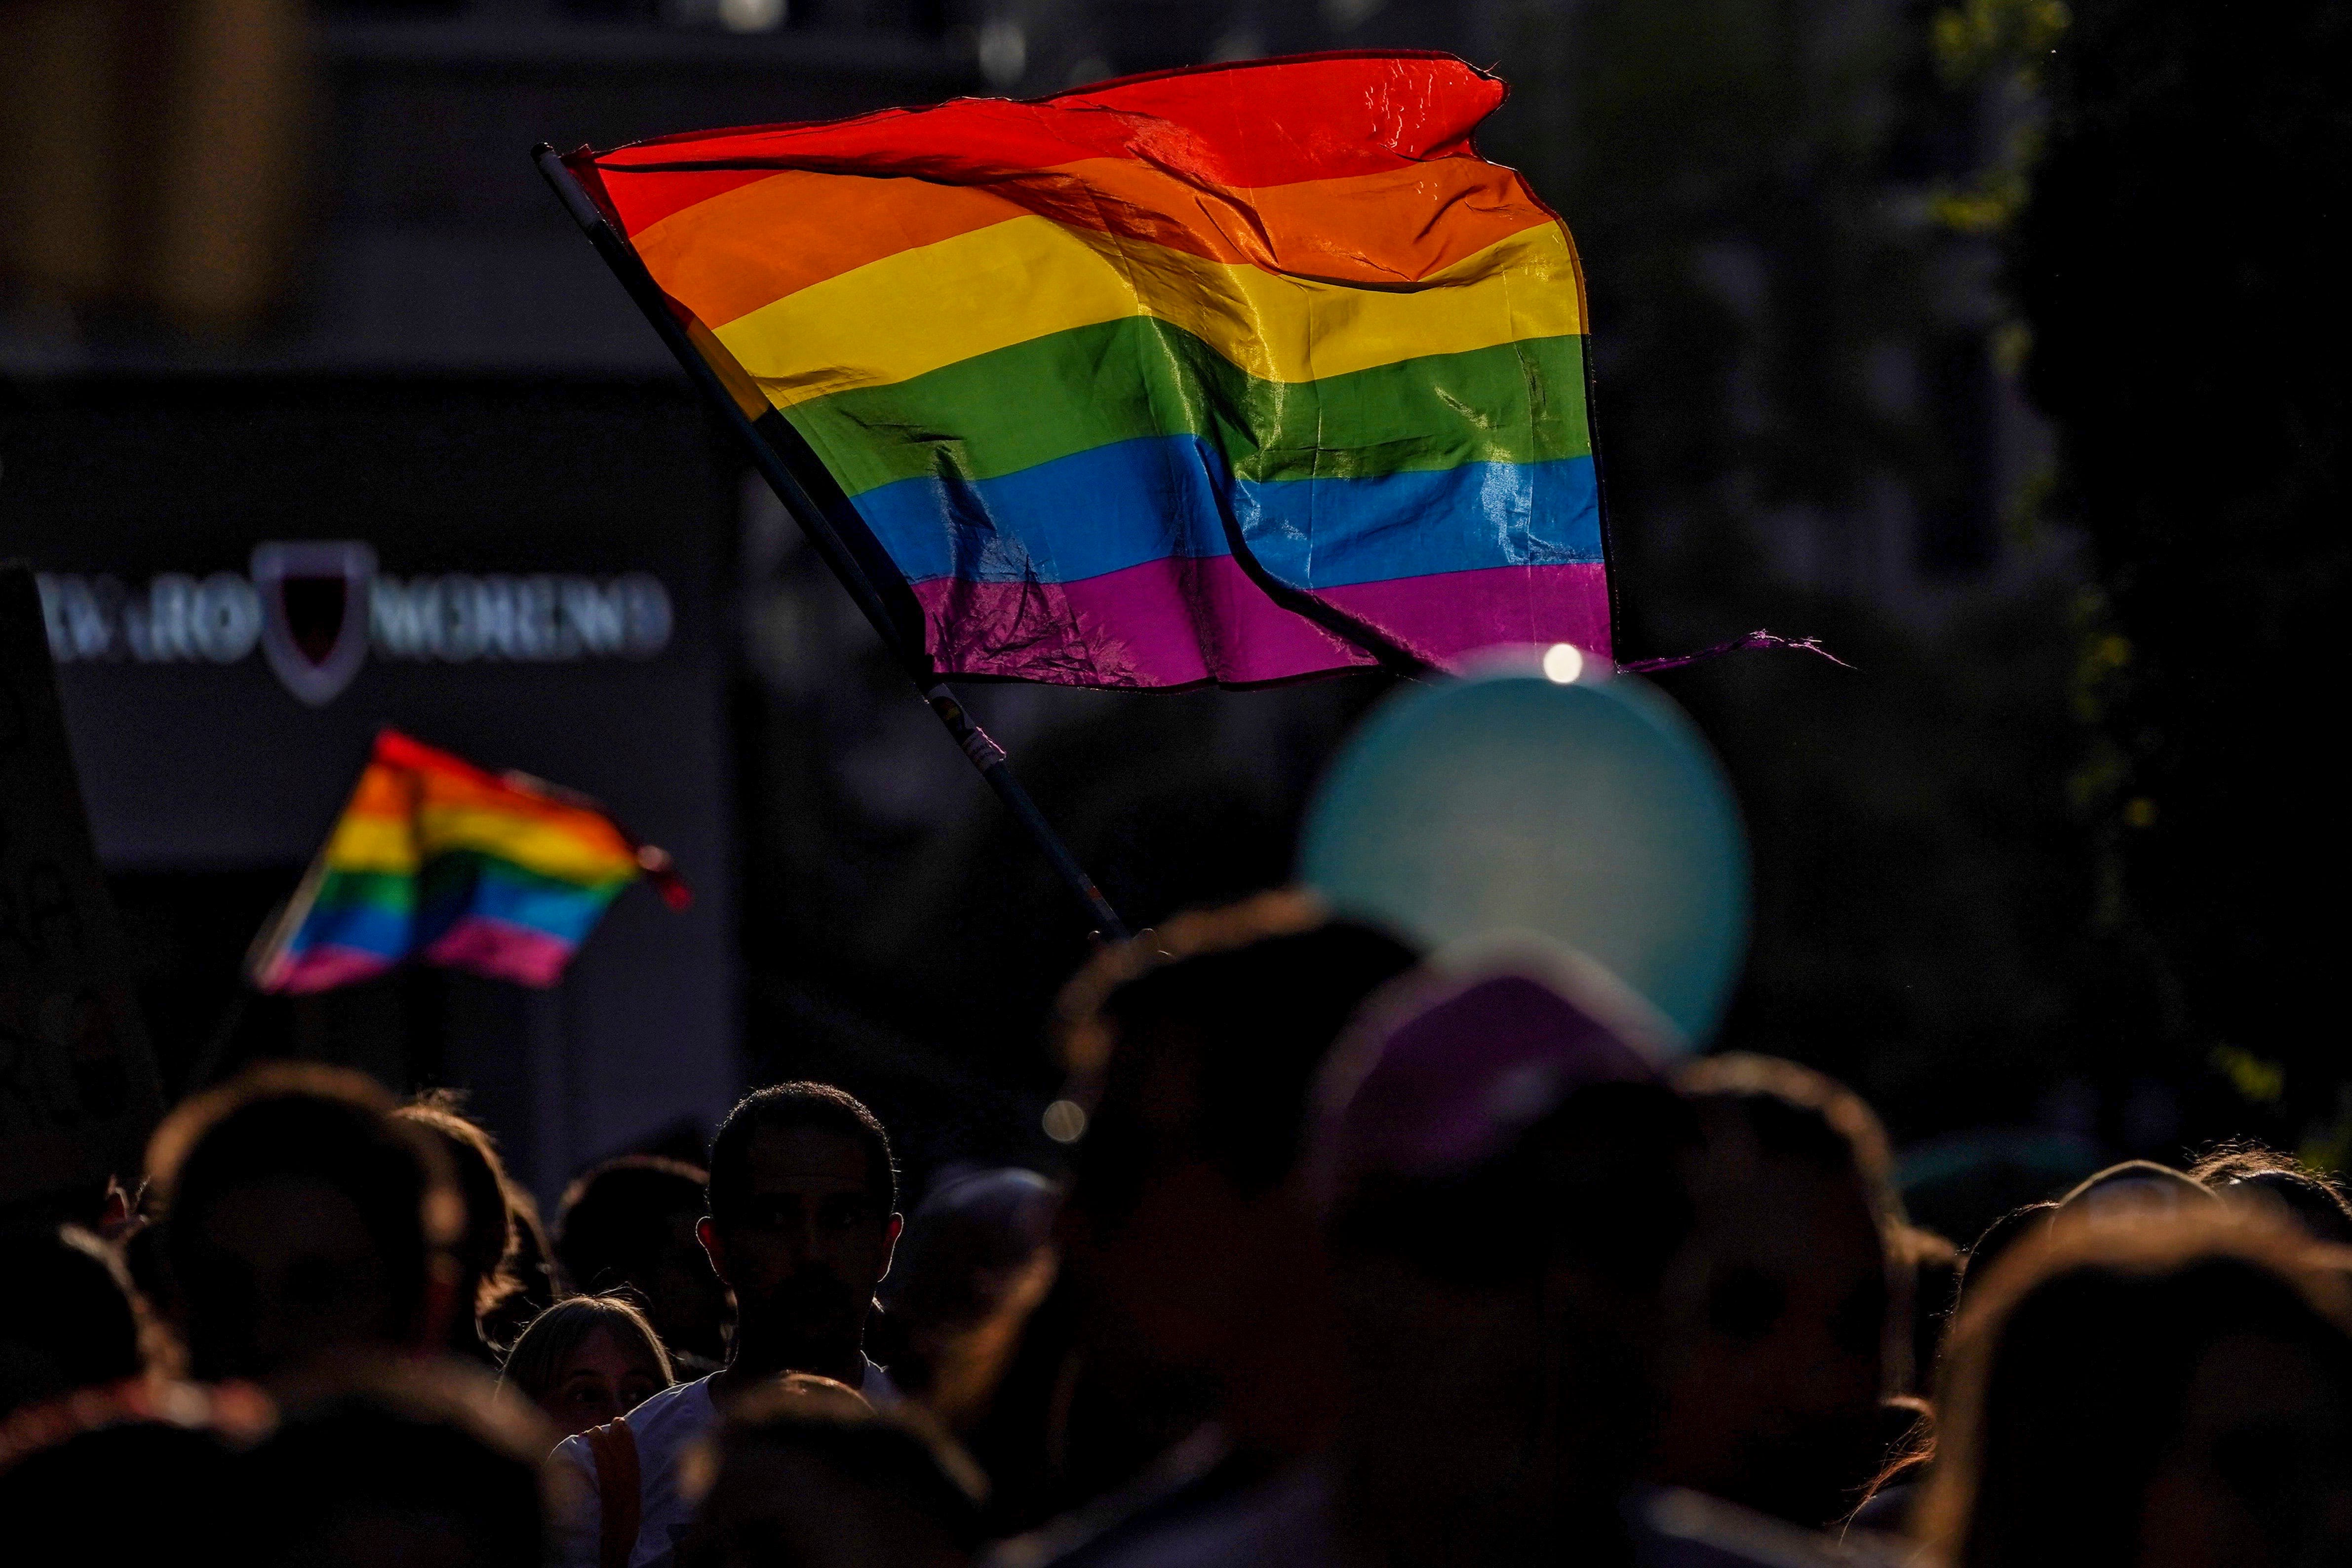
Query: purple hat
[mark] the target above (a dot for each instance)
(1449, 1066)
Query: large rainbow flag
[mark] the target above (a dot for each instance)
(1238, 373)
(502, 875)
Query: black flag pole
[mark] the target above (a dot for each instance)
(799, 481)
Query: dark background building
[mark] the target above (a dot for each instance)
(314, 290)
(550, 563)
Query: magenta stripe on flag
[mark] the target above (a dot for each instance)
(1180, 621)
(1177, 621)
(326, 966)
(1440, 618)
(503, 950)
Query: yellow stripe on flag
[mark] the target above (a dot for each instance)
(366, 842)
(914, 312)
(552, 849)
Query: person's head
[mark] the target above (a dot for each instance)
(2136, 1188)
(123, 1494)
(2165, 1391)
(532, 1265)
(1498, 1167)
(1198, 1043)
(2020, 1225)
(484, 1279)
(412, 1467)
(631, 1223)
(2262, 1178)
(66, 1316)
(302, 1220)
(804, 1216)
(806, 1476)
(586, 1360)
(1781, 1361)
(977, 1257)
(1927, 1268)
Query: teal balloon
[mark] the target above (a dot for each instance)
(1588, 811)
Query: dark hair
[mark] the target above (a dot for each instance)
(304, 1120)
(489, 1240)
(531, 1265)
(612, 1227)
(2069, 1368)
(2309, 1197)
(972, 1228)
(2140, 1174)
(1910, 1448)
(782, 1106)
(129, 1492)
(1930, 1266)
(1977, 1262)
(399, 1443)
(1795, 1113)
(539, 1351)
(66, 1318)
(1244, 1002)
(1595, 1182)
(899, 1453)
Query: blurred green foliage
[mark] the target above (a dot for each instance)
(2075, 819)
(2064, 845)
(1988, 39)
(1756, 187)
(2180, 261)
(2000, 49)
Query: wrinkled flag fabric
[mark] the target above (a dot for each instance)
(1238, 373)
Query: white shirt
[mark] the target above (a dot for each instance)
(666, 1427)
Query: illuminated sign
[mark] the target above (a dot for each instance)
(315, 610)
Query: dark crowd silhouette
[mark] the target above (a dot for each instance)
(1366, 1258)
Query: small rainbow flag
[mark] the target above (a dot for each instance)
(1235, 374)
(501, 874)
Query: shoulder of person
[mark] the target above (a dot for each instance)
(681, 1403)
(573, 1452)
(1678, 1527)
(689, 1403)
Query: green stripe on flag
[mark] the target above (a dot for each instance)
(1067, 392)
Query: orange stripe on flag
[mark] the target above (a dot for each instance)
(749, 246)
(383, 792)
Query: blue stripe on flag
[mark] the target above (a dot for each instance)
(1123, 505)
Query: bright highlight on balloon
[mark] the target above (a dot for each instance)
(1562, 663)
(1065, 1122)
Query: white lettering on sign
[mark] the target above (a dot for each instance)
(175, 618)
(544, 617)
(456, 619)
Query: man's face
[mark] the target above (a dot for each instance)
(808, 1245)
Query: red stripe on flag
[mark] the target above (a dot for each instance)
(1261, 123)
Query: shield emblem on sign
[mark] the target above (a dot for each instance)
(314, 613)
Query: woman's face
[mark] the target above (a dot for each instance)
(603, 1376)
